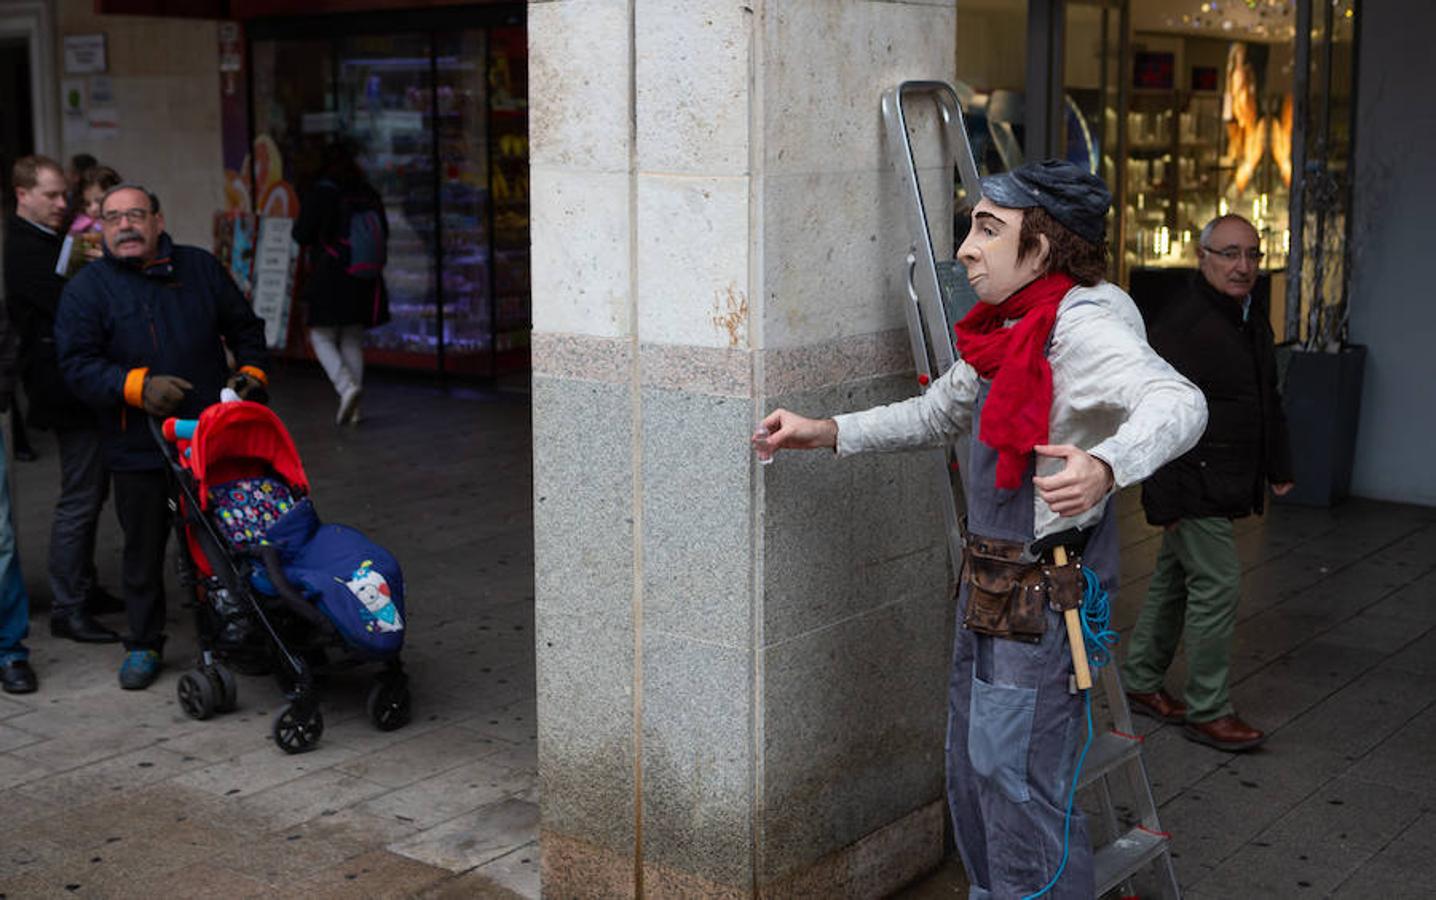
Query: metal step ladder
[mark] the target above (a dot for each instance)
(938, 295)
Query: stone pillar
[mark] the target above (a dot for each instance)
(741, 669)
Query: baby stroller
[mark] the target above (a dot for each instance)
(271, 583)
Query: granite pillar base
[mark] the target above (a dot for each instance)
(876, 865)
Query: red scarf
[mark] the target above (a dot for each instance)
(1014, 359)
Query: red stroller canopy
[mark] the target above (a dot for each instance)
(238, 440)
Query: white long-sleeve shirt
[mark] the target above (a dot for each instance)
(1112, 396)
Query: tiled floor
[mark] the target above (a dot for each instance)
(110, 793)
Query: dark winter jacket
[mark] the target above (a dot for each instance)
(32, 296)
(1200, 331)
(333, 296)
(118, 322)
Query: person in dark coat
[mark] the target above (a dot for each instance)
(142, 332)
(1216, 335)
(40, 208)
(345, 294)
(32, 290)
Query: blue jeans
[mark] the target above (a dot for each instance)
(14, 600)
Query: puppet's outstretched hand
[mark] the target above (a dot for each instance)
(790, 431)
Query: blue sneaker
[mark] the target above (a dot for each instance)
(139, 670)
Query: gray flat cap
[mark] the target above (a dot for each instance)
(1070, 194)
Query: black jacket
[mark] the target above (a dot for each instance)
(169, 317)
(333, 296)
(32, 296)
(1200, 332)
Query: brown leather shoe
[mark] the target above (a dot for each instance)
(1227, 733)
(1158, 705)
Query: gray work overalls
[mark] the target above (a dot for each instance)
(1014, 730)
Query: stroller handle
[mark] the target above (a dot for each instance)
(180, 429)
(269, 555)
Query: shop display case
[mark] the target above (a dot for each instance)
(1174, 174)
(1216, 144)
(439, 121)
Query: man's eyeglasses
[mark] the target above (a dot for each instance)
(135, 216)
(1232, 254)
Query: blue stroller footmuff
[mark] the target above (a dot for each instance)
(356, 583)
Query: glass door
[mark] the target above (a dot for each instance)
(1093, 95)
(462, 145)
(384, 85)
(991, 78)
(509, 178)
(1320, 151)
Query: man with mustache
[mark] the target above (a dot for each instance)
(1213, 333)
(142, 332)
(32, 290)
(1066, 403)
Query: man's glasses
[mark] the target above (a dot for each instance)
(1232, 254)
(136, 216)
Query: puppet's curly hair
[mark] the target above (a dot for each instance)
(1085, 261)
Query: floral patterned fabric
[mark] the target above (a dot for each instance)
(244, 510)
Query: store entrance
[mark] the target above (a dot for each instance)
(17, 139)
(437, 119)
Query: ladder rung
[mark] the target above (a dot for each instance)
(1109, 751)
(1121, 859)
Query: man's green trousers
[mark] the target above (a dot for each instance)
(1193, 595)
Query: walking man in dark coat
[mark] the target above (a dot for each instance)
(32, 291)
(1219, 338)
(143, 333)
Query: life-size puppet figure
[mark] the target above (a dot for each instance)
(1067, 403)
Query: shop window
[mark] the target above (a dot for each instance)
(438, 120)
(990, 80)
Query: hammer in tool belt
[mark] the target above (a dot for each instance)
(1074, 633)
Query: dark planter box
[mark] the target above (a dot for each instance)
(1321, 393)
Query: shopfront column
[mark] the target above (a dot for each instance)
(741, 668)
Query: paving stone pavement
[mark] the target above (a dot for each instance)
(110, 793)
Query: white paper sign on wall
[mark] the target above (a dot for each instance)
(84, 54)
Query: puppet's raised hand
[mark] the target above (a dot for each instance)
(1081, 484)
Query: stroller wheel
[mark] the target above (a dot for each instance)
(196, 695)
(226, 689)
(296, 729)
(389, 704)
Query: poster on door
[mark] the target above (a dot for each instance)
(273, 278)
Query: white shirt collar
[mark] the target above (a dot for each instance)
(49, 231)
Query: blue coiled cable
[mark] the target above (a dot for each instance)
(1096, 618)
(1100, 639)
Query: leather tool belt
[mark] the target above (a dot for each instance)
(1006, 594)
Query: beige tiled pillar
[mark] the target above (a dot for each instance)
(741, 669)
